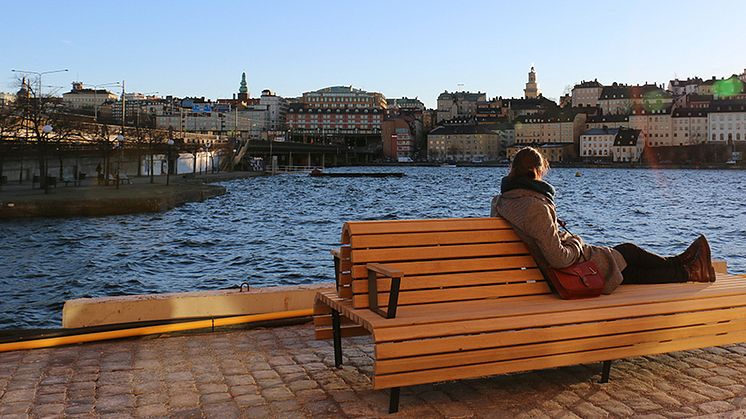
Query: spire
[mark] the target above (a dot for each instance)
(243, 91)
(532, 87)
(244, 87)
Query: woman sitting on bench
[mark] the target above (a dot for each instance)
(527, 203)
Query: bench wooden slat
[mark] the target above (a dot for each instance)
(456, 294)
(542, 349)
(552, 361)
(520, 336)
(453, 265)
(636, 295)
(505, 353)
(360, 286)
(440, 238)
(431, 253)
(414, 226)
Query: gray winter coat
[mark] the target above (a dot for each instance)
(534, 218)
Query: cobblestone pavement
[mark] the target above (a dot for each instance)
(282, 372)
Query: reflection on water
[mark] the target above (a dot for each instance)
(278, 230)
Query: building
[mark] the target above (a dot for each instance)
(586, 94)
(689, 126)
(610, 121)
(195, 115)
(7, 98)
(628, 146)
(684, 87)
(399, 134)
(83, 98)
(532, 87)
(655, 125)
(458, 104)
(725, 88)
(512, 108)
(327, 122)
(596, 143)
(563, 127)
(397, 106)
(726, 123)
(343, 97)
(277, 108)
(462, 141)
(621, 98)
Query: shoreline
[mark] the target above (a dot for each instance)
(91, 200)
(573, 165)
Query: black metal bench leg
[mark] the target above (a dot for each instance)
(337, 334)
(605, 372)
(394, 400)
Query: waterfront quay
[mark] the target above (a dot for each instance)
(278, 372)
(87, 198)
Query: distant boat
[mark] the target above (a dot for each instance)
(319, 173)
(448, 163)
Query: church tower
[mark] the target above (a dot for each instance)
(243, 91)
(532, 88)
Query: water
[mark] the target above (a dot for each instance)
(278, 230)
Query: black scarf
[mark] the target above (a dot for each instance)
(539, 186)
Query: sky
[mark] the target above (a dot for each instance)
(414, 49)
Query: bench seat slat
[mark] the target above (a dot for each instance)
(453, 265)
(459, 327)
(430, 253)
(626, 295)
(456, 294)
(522, 336)
(360, 286)
(374, 241)
(551, 361)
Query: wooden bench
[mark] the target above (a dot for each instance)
(462, 298)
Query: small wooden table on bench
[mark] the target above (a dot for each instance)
(450, 299)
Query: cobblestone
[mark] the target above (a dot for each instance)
(283, 372)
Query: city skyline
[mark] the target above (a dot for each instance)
(415, 50)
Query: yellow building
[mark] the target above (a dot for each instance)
(655, 125)
(463, 142)
(688, 126)
(558, 128)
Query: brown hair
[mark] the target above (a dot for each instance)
(528, 162)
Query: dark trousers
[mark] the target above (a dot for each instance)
(644, 267)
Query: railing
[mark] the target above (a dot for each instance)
(296, 169)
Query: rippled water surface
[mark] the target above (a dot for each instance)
(278, 230)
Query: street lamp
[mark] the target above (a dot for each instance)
(120, 144)
(170, 143)
(95, 102)
(46, 129)
(39, 74)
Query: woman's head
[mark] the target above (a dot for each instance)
(528, 162)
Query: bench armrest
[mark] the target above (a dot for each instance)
(337, 256)
(373, 270)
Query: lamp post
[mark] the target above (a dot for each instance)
(120, 144)
(46, 129)
(95, 102)
(170, 143)
(39, 74)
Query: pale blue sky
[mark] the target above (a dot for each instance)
(415, 48)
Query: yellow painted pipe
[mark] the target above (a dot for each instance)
(152, 330)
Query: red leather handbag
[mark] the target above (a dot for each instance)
(581, 280)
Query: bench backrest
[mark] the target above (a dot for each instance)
(442, 260)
